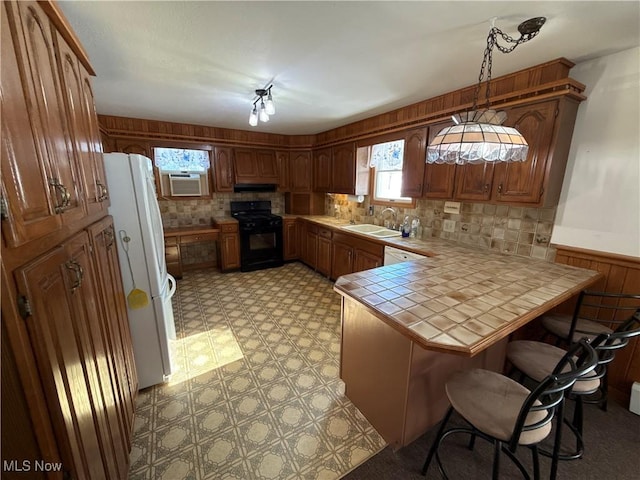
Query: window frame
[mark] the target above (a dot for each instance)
(184, 145)
(388, 202)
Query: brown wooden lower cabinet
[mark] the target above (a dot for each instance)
(172, 256)
(228, 250)
(365, 261)
(116, 325)
(290, 239)
(354, 254)
(323, 265)
(334, 253)
(342, 263)
(80, 353)
(311, 247)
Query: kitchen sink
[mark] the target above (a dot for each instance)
(373, 230)
(363, 228)
(384, 233)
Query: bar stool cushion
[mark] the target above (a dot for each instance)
(491, 402)
(560, 325)
(537, 360)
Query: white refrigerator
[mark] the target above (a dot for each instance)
(136, 215)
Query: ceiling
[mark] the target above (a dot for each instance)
(330, 63)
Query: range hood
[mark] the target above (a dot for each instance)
(254, 187)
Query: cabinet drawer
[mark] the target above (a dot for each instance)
(229, 227)
(201, 237)
(324, 232)
(372, 247)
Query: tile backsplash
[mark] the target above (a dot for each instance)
(507, 229)
(182, 213)
(185, 213)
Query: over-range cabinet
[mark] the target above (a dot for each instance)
(68, 376)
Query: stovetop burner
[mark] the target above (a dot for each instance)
(258, 211)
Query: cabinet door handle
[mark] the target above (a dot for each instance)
(500, 189)
(486, 187)
(103, 193)
(64, 198)
(109, 238)
(79, 273)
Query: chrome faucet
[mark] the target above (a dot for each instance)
(394, 226)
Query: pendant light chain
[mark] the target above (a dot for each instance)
(487, 59)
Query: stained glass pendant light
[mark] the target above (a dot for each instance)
(478, 134)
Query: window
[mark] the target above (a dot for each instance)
(181, 159)
(386, 160)
(183, 172)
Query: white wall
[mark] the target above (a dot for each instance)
(600, 203)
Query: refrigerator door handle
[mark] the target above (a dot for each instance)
(172, 285)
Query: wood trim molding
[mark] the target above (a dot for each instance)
(621, 275)
(584, 253)
(541, 82)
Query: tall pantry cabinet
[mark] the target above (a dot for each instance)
(68, 375)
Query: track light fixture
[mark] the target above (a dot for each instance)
(478, 135)
(261, 112)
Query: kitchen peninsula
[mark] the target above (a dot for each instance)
(407, 327)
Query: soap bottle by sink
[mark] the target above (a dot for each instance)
(406, 227)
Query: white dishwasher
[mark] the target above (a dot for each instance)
(395, 255)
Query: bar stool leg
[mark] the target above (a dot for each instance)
(436, 441)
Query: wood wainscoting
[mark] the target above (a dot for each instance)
(621, 275)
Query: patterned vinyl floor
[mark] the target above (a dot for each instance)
(256, 393)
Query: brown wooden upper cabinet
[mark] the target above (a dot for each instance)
(547, 127)
(284, 178)
(42, 183)
(255, 166)
(84, 129)
(322, 170)
(300, 171)
(418, 178)
(343, 168)
(438, 178)
(134, 146)
(223, 169)
(338, 169)
(415, 145)
(473, 182)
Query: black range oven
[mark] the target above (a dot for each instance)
(260, 235)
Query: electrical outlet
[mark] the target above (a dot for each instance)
(448, 225)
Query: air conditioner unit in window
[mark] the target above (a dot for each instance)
(185, 184)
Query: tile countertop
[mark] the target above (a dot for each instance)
(189, 230)
(460, 299)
